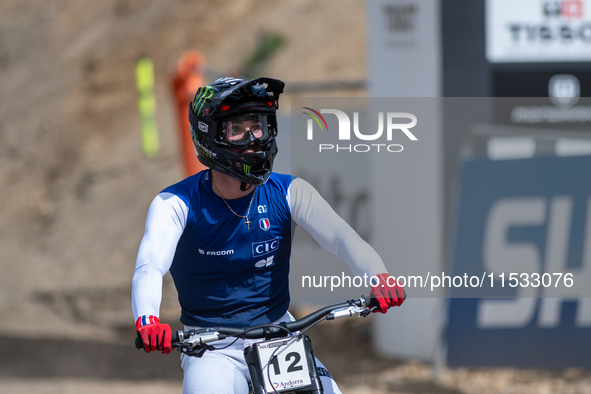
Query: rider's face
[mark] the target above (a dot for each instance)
(238, 129)
(243, 129)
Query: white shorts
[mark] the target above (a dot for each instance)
(225, 371)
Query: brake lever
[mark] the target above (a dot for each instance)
(349, 311)
(196, 351)
(367, 306)
(367, 311)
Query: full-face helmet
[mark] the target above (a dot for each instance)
(227, 116)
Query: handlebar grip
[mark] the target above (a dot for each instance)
(139, 344)
(175, 337)
(371, 302)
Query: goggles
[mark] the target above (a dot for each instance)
(240, 130)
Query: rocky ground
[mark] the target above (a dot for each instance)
(76, 187)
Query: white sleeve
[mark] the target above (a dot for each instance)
(316, 216)
(165, 224)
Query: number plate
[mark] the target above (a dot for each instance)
(284, 364)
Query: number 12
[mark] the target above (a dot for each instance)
(292, 367)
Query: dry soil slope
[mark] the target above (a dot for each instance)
(76, 187)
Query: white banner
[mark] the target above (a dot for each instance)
(404, 60)
(538, 31)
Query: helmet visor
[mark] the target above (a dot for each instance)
(240, 130)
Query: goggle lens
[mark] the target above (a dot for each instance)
(245, 128)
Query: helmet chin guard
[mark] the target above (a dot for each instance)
(232, 115)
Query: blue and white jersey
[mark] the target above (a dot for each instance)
(227, 274)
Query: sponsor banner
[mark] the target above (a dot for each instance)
(517, 218)
(404, 59)
(538, 31)
(403, 47)
(543, 99)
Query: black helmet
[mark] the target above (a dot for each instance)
(230, 113)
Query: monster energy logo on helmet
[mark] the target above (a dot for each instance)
(204, 93)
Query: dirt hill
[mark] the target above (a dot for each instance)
(76, 186)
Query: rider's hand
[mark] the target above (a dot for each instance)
(388, 293)
(155, 336)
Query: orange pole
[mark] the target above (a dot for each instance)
(187, 78)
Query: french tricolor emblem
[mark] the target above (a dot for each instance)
(264, 224)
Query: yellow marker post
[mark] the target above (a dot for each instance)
(144, 78)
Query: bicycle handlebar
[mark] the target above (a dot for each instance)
(268, 331)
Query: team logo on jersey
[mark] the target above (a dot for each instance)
(265, 262)
(264, 224)
(265, 247)
(216, 252)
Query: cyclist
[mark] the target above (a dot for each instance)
(225, 235)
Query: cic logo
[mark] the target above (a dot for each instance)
(395, 122)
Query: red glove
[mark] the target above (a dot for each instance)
(155, 336)
(388, 293)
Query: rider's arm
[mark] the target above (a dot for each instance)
(164, 226)
(316, 216)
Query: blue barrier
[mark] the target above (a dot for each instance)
(523, 216)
